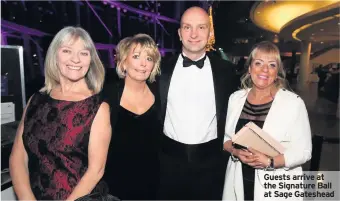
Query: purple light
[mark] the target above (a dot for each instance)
(119, 23)
(98, 17)
(104, 2)
(101, 46)
(3, 38)
(112, 6)
(140, 6)
(124, 10)
(164, 50)
(162, 53)
(22, 29)
(142, 12)
(3, 41)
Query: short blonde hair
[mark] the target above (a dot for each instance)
(271, 49)
(94, 77)
(147, 43)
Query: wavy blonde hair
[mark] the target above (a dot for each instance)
(270, 49)
(94, 77)
(147, 43)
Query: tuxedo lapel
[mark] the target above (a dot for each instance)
(219, 87)
(168, 67)
(218, 84)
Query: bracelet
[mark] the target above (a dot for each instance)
(266, 168)
(233, 158)
(271, 165)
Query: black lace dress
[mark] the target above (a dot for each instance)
(256, 114)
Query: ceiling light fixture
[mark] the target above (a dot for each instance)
(277, 15)
(295, 33)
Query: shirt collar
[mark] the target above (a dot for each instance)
(195, 59)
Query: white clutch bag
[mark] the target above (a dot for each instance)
(253, 136)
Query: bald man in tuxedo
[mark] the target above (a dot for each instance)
(194, 90)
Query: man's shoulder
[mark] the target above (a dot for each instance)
(168, 62)
(218, 59)
(170, 57)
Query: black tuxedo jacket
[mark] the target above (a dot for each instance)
(225, 84)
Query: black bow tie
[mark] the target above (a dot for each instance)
(188, 62)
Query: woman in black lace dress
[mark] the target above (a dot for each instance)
(132, 165)
(62, 141)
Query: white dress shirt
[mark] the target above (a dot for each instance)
(191, 110)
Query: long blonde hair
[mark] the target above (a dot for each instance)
(271, 49)
(94, 77)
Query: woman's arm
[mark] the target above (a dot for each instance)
(99, 142)
(300, 146)
(299, 150)
(263, 161)
(18, 165)
(243, 155)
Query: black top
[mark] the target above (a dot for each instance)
(132, 166)
(256, 114)
(56, 137)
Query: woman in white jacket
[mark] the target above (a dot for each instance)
(282, 114)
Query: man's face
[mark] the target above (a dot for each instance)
(194, 31)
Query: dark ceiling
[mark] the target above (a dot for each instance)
(232, 24)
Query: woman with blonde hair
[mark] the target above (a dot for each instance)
(279, 112)
(133, 166)
(62, 141)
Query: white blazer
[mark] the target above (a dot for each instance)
(287, 122)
